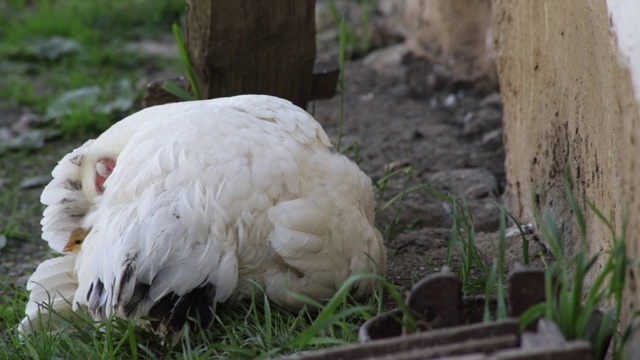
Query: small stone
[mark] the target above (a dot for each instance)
(387, 61)
(450, 100)
(471, 183)
(493, 99)
(398, 164)
(27, 122)
(492, 140)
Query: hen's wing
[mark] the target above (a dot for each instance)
(52, 287)
(327, 235)
(53, 284)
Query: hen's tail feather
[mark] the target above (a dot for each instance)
(196, 307)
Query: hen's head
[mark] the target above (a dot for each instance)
(100, 159)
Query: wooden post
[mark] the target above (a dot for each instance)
(252, 47)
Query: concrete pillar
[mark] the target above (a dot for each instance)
(567, 71)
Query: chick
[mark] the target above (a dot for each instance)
(75, 240)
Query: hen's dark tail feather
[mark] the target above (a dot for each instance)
(195, 307)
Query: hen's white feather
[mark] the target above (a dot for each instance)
(220, 192)
(52, 287)
(66, 203)
(54, 283)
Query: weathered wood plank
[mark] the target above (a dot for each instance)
(574, 350)
(475, 347)
(439, 337)
(252, 47)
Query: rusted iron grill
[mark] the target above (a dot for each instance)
(441, 313)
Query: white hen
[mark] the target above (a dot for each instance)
(188, 203)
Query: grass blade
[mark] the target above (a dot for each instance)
(184, 56)
(177, 91)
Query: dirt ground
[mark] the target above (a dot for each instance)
(451, 139)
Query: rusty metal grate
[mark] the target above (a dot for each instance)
(448, 328)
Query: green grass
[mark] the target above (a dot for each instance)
(34, 71)
(473, 271)
(572, 301)
(250, 329)
(20, 208)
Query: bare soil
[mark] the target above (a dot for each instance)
(450, 137)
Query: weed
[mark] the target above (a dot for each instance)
(341, 65)
(462, 236)
(569, 302)
(381, 187)
(347, 42)
(525, 241)
(494, 283)
(174, 89)
(358, 41)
